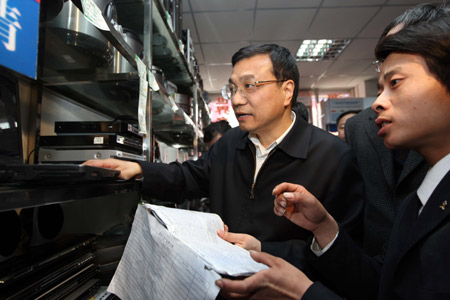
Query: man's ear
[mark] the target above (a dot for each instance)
(288, 88)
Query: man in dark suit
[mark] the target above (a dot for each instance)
(389, 176)
(271, 145)
(414, 88)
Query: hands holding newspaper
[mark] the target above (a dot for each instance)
(281, 280)
(242, 240)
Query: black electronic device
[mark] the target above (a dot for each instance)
(86, 127)
(12, 167)
(56, 173)
(85, 291)
(44, 259)
(93, 141)
(47, 155)
(11, 145)
(56, 284)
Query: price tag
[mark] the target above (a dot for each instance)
(93, 14)
(152, 81)
(98, 140)
(143, 92)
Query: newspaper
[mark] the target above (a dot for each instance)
(177, 254)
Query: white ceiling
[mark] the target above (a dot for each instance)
(220, 27)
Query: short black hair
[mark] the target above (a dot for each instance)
(283, 62)
(420, 13)
(213, 129)
(301, 110)
(346, 113)
(429, 39)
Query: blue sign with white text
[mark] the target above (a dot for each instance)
(19, 28)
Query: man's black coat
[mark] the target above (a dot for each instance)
(307, 156)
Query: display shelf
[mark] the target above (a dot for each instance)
(14, 196)
(113, 98)
(171, 124)
(169, 57)
(115, 38)
(79, 66)
(204, 108)
(82, 67)
(89, 52)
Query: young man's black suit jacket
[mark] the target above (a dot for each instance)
(309, 156)
(415, 264)
(384, 192)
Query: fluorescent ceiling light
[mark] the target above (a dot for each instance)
(324, 49)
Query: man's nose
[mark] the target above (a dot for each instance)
(380, 103)
(238, 99)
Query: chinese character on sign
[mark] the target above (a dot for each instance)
(19, 33)
(222, 100)
(9, 25)
(223, 109)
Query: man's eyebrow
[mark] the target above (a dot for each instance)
(242, 78)
(246, 77)
(391, 72)
(387, 75)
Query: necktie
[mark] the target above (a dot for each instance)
(416, 206)
(409, 219)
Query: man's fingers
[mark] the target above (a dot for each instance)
(285, 187)
(264, 258)
(228, 295)
(94, 162)
(283, 203)
(230, 237)
(239, 287)
(103, 163)
(279, 211)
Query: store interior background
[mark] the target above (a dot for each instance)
(219, 28)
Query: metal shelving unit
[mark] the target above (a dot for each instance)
(76, 73)
(17, 196)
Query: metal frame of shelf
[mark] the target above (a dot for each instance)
(23, 196)
(178, 126)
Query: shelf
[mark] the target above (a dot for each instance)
(82, 66)
(169, 57)
(204, 108)
(116, 38)
(113, 98)
(74, 45)
(14, 196)
(171, 124)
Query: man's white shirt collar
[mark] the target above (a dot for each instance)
(433, 178)
(260, 150)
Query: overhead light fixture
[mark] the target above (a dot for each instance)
(325, 49)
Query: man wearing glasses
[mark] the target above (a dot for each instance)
(270, 146)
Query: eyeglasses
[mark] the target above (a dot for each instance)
(377, 65)
(230, 90)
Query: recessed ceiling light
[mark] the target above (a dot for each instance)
(324, 49)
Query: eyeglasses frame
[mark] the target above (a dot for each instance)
(257, 84)
(377, 64)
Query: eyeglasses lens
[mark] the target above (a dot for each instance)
(226, 92)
